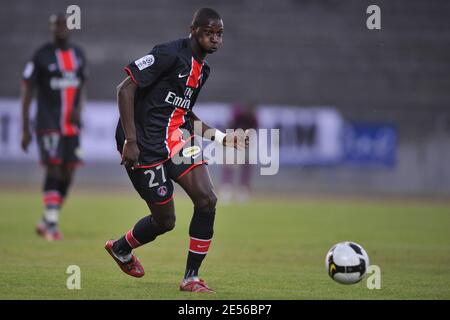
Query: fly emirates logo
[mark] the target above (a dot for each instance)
(177, 101)
(68, 80)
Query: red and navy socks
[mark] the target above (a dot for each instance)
(52, 200)
(201, 231)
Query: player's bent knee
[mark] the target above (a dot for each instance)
(206, 202)
(165, 225)
(54, 171)
(169, 224)
(67, 174)
(211, 200)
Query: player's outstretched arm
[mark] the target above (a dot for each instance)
(235, 139)
(125, 99)
(26, 97)
(205, 130)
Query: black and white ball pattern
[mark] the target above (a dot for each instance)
(347, 262)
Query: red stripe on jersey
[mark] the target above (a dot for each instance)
(199, 245)
(67, 60)
(174, 136)
(67, 63)
(132, 240)
(73, 59)
(69, 128)
(128, 71)
(194, 75)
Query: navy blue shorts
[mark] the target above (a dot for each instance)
(55, 149)
(154, 182)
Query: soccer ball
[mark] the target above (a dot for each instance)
(347, 262)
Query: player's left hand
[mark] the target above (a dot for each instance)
(238, 140)
(26, 139)
(130, 154)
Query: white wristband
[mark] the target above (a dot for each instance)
(219, 136)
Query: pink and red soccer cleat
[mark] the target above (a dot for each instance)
(135, 269)
(132, 268)
(195, 286)
(47, 232)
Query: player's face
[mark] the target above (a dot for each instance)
(59, 29)
(209, 37)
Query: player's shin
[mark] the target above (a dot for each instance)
(52, 200)
(63, 187)
(66, 181)
(144, 231)
(201, 232)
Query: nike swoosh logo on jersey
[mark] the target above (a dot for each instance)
(182, 75)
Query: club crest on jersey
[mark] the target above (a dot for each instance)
(52, 67)
(145, 62)
(162, 191)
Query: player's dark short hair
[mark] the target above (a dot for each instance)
(57, 17)
(203, 15)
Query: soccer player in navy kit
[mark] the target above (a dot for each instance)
(57, 72)
(155, 127)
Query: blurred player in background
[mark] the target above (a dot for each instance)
(156, 129)
(57, 72)
(243, 117)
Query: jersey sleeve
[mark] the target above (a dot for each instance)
(146, 70)
(30, 72)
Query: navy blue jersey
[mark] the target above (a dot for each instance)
(169, 80)
(58, 75)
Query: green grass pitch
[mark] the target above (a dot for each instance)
(266, 249)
